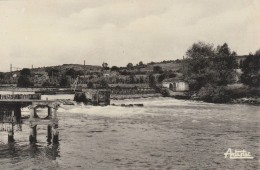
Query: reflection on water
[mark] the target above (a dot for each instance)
(32, 150)
(13, 154)
(164, 134)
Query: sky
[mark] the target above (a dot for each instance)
(56, 32)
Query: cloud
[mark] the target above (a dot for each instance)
(55, 32)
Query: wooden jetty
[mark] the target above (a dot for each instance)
(10, 113)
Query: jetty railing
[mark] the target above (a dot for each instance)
(20, 96)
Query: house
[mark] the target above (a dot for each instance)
(175, 84)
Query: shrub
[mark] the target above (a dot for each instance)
(214, 94)
(220, 95)
(165, 93)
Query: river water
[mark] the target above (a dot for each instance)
(164, 134)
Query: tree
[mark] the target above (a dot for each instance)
(204, 65)
(25, 72)
(79, 73)
(214, 94)
(141, 63)
(71, 72)
(251, 70)
(157, 69)
(105, 66)
(152, 82)
(48, 84)
(141, 79)
(90, 85)
(103, 83)
(200, 50)
(257, 53)
(64, 82)
(132, 79)
(114, 68)
(24, 81)
(2, 75)
(223, 50)
(52, 71)
(178, 61)
(130, 65)
(161, 78)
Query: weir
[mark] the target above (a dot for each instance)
(10, 115)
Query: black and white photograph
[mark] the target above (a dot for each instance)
(129, 84)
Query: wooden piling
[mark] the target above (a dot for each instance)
(55, 113)
(33, 134)
(32, 110)
(49, 134)
(55, 133)
(49, 112)
(11, 135)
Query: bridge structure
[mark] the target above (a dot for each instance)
(10, 115)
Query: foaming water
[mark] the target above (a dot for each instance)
(164, 134)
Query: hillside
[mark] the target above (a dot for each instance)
(63, 68)
(54, 75)
(174, 66)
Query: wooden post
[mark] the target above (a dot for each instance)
(49, 133)
(54, 113)
(11, 135)
(33, 134)
(55, 133)
(49, 112)
(11, 131)
(17, 114)
(31, 108)
(35, 113)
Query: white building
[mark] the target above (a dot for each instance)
(177, 85)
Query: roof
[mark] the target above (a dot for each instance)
(173, 80)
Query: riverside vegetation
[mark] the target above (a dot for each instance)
(214, 74)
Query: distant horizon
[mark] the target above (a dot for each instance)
(100, 65)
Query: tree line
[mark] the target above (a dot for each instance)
(209, 69)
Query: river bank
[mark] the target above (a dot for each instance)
(247, 101)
